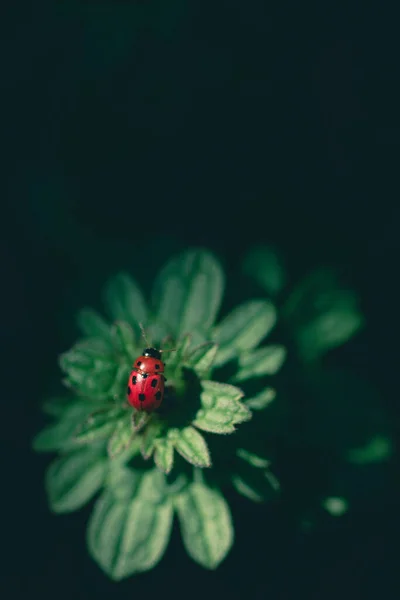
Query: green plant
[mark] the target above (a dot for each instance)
(333, 417)
(319, 311)
(177, 460)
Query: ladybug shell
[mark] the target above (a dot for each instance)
(145, 390)
(148, 364)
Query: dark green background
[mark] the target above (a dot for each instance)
(133, 129)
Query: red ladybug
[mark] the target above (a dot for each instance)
(147, 381)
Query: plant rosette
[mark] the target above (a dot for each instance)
(144, 468)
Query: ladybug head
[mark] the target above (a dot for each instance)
(152, 353)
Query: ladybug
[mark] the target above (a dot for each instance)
(149, 362)
(147, 381)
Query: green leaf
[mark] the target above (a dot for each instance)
(92, 324)
(221, 408)
(72, 480)
(178, 357)
(164, 455)
(378, 449)
(129, 536)
(328, 331)
(264, 265)
(139, 419)
(206, 524)
(118, 388)
(188, 292)
(192, 446)
(125, 301)
(151, 434)
(123, 338)
(253, 459)
(202, 358)
(322, 314)
(335, 506)
(87, 353)
(60, 435)
(178, 485)
(261, 400)
(121, 438)
(99, 424)
(244, 489)
(154, 487)
(258, 485)
(243, 329)
(215, 388)
(91, 368)
(56, 406)
(122, 481)
(260, 362)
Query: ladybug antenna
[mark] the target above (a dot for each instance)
(169, 350)
(144, 334)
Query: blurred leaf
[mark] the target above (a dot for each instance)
(202, 358)
(192, 446)
(243, 329)
(139, 419)
(253, 459)
(152, 432)
(99, 424)
(119, 386)
(121, 437)
(57, 405)
(246, 490)
(377, 449)
(221, 408)
(164, 454)
(206, 524)
(335, 506)
(187, 293)
(124, 340)
(60, 435)
(72, 480)
(263, 361)
(92, 324)
(178, 357)
(125, 302)
(328, 331)
(154, 486)
(178, 485)
(256, 484)
(129, 536)
(321, 314)
(91, 368)
(122, 481)
(261, 400)
(264, 265)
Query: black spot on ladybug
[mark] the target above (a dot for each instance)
(128, 391)
(157, 366)
(142, 397)
(158, 395)
(139, 363)
(154, 383)
(134, 379)
(145, 375)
